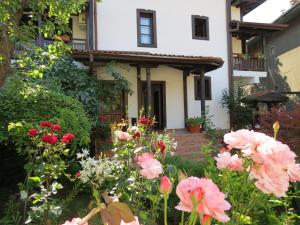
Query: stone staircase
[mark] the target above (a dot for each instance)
(189, 144)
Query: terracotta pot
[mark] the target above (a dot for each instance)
(194, 129)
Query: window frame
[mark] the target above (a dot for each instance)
(194, 36)
(198, 89)
(154, 32)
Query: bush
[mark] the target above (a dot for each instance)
(241, 113)
(31, 103)
(76, 83)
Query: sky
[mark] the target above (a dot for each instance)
(268, 11)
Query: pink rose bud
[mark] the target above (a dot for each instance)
(165, 185)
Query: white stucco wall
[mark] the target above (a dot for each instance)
(117, 30)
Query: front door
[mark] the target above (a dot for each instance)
(158, 102)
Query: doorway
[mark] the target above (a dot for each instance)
(158, 102)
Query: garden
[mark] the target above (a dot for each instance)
(53, 174)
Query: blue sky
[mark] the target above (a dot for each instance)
(268, 11)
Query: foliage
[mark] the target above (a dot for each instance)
(58, 14)
(31, 103)
(289, 119)
(194, 121)
(241, 113)
(55, 16)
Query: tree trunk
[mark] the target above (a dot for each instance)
(6, 45)
(6, 51)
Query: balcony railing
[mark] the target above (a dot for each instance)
(247, 63)
(76, 44)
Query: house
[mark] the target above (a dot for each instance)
(282, 50)
(174, 54)
(178, 57)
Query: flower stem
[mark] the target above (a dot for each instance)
(166, 210)
(182, 218)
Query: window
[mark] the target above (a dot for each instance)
(207, 87)
(146, 28)
(200, 27)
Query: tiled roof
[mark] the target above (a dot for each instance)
(210, 63)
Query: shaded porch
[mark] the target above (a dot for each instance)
(144, 63)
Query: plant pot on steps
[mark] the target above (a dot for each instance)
(195, 129)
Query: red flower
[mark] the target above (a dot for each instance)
(146, 121)
(50, 139)
(67, 138)
(161, 145)
(103, 119)
(78, 174)
(33, 132)
(137, 135)
(55, 127)
(45, 124)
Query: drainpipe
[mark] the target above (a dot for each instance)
(90, 25)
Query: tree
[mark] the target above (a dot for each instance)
(54, 14)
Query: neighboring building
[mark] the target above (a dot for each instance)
(282, 50)
(172, 52)
(249, 67)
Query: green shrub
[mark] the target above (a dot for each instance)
(76, 83)
(31, 103)
(191, 168)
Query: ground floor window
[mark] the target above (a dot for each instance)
(207, 87)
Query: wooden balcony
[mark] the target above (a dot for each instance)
(248, 63)
(76, 44)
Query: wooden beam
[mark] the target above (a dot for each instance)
(149, 94)
(139, 87)
(186, 73)
(202, 93)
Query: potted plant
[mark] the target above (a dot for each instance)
(194, 124)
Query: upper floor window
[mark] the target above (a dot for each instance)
(146, 28)
(207, 88)
(200, 27)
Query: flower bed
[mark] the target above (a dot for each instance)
(251, 181)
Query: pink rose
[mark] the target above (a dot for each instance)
(270, 179)
(74, 221)
(165, 185)
(294, 172)
(151, 169)
(210, 201)
(139, 159)
(274, 164)
(122, 136)
(226, 161)
(135, 222)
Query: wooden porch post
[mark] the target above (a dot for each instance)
(186, 73)
(139, 87)
(202, 92)
(149, 94)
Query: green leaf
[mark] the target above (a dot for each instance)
(35, 179)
